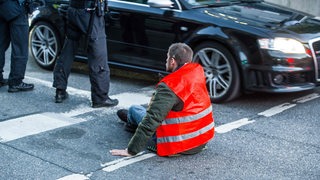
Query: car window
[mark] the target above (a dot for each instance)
(137, 1)
(176, 4)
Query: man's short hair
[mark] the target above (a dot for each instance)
(181, 52)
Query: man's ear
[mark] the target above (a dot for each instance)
(173, 61)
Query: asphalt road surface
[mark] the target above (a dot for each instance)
(257, 136)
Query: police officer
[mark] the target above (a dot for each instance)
(14, 28)
(85, 17)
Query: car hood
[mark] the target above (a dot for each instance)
(267, 16)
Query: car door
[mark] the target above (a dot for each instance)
(138, 35)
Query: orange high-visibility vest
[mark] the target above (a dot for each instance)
(194, 124)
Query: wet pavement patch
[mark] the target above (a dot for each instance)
(69, 133)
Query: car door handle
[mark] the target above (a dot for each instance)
(114, 16)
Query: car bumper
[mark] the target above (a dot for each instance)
(279, 72)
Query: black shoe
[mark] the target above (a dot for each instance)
(123, 115)
(130, 127)
(61, 95)
(108, 103)
(21, 87)
(3, 82)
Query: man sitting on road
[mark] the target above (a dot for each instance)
(179, 116)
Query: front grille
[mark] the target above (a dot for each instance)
(296, 78)
(315, 48)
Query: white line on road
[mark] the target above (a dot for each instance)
(33, 124)
(125, 99)
(74, 177)
(37, 123)
(71, 90)
(307, 98)
(277, 109)
(114, 165)
(233, 125)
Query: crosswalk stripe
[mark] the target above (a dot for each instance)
(16, 128)
(33, 124)
(126, 99)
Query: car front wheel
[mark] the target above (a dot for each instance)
(44, 45)
(222, 74)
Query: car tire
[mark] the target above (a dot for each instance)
(44, 44)
(221, 71)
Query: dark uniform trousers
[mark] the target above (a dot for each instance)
(14, 30)
(78, 22)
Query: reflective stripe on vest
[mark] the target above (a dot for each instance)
(188, 118)
(170, 139)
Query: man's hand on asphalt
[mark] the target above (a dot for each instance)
(120, 152)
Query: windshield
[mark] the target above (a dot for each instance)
(215, 2)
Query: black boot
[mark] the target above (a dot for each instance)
(61, 95)
(107, 103)
(20, 87)
(123, 115)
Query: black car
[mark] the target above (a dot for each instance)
(243, 45)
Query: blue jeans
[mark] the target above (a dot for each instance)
(135, 115)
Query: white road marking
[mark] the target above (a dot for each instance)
(81, 109)
(125, 99)
(276, 110)
(233, 125)
(115, 161)
(307, 98)
(37, 123)
(71, 90)
(114, 165)
(74, 177)
(33, 124)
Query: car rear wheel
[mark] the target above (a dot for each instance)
(222, 74)
(44, 45)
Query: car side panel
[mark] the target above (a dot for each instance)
(139, 35)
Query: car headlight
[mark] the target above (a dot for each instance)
(285, 45)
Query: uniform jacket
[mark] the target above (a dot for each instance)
(10, 9)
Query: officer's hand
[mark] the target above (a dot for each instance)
(120, 152)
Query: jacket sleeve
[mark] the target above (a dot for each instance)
(161, 103)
